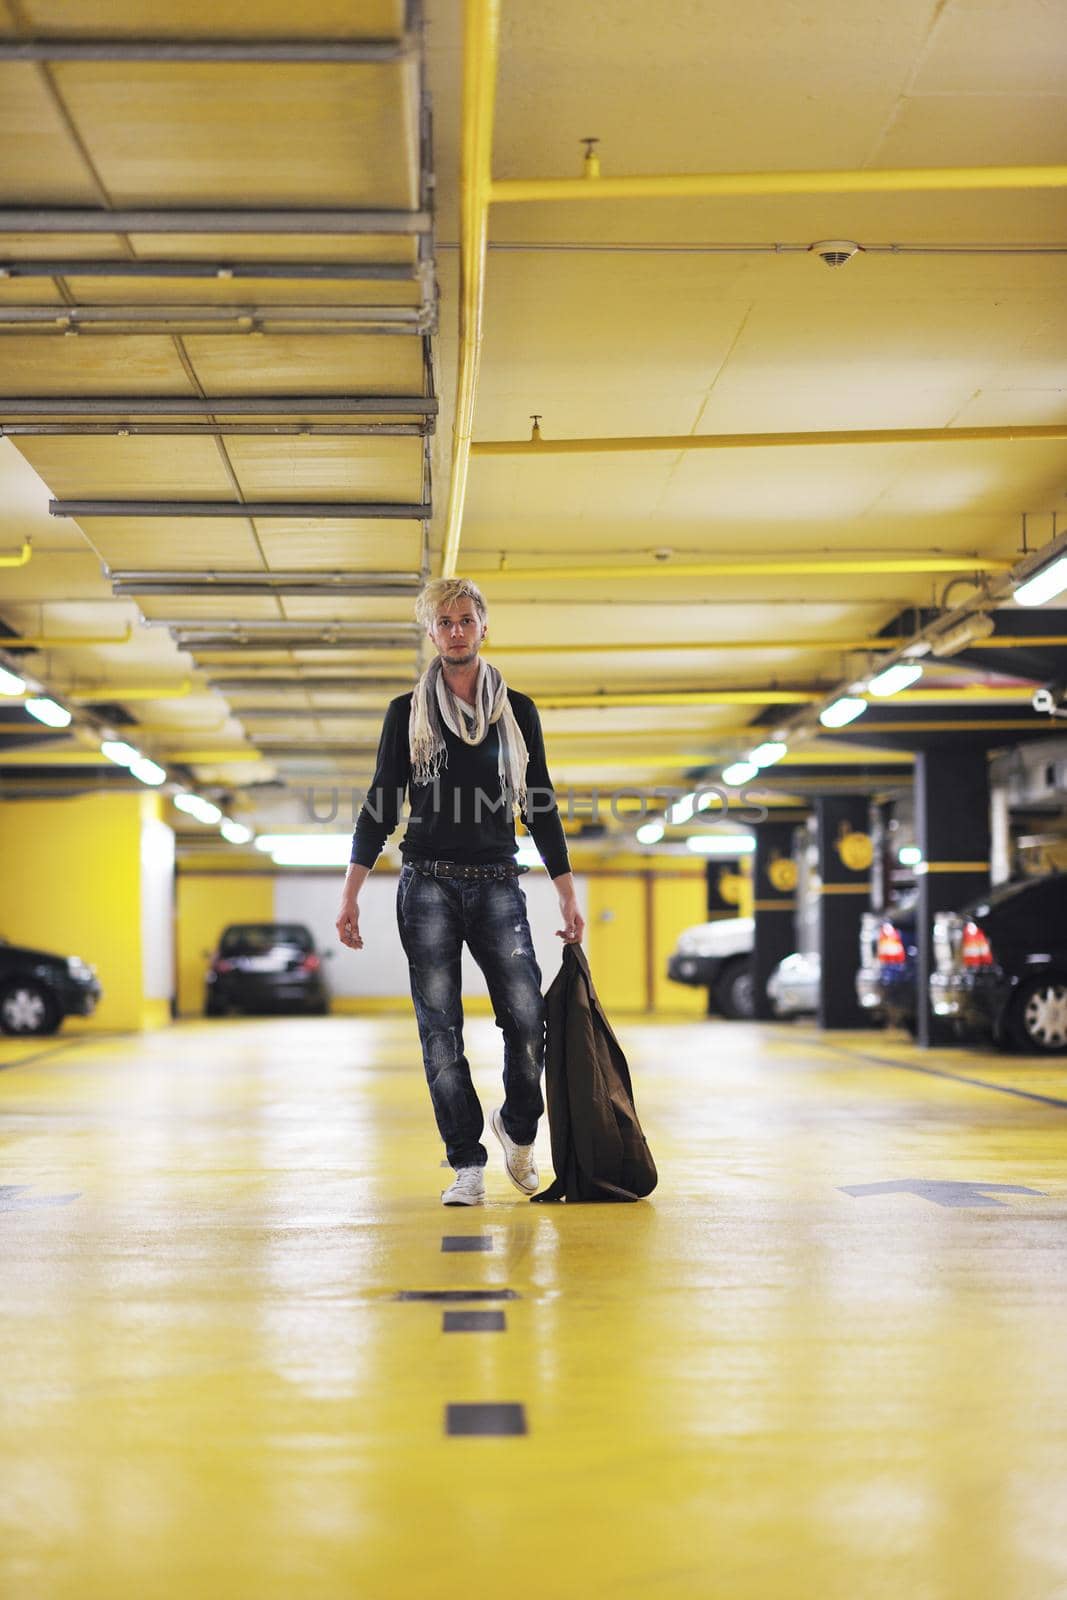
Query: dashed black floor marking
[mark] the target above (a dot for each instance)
(457, 1295)
(466, 1242)
(474, 1322)
(487, 1418)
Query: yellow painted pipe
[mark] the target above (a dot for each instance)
(683, 697)
(973, 694)
(971, 725)
(703, 185)
(42, 641)
(75, 757)
(1004, 642)
(540, 446)
(709, 643)
(20, 560)
(137, 691)
(872, 566)
(206, 758)
(481, 46)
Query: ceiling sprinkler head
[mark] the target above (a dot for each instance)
(835, 252)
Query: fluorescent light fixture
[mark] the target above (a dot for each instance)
(10, 684)
(842, 712)
(895, 678)
(201, 810)
(722, 844)
(909, 855)
(1045, 584)
(682, 810)
(306, 849)
(765, 755)
(146, 771)
(48, 712)
(234, 832)
(122, 754)
(740, 772)
(650, 832)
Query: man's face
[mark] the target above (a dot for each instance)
(458, 633)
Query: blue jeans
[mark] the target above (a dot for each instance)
(435, 916)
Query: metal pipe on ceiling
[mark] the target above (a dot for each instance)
(295, 271)
(538, 445)
(481, 46)
(376, 632)
(93, 219)
(875, 566)
(766, 247)
(306, 582)
(705, 185)
(320, 510)
(205, 313)
(288, 430)
(66, 320)
(216, 405)
(268, 52)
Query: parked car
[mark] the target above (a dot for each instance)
(1001, 965)
(718, 955)
(886, 979)
(38, 989)
(793, 986)
(261, 966)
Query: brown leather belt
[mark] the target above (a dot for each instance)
(468, 871)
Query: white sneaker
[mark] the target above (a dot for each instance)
(467, 1188)
(518, 1158)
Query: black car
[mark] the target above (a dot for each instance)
(889, 958)
(262, 966)
(38, 989)
(1002, 966)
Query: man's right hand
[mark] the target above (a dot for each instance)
(348, 925)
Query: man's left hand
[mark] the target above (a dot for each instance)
(573, 921)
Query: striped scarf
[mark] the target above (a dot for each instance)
(433, 704)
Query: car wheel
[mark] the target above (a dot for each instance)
(27, 1008)
(735, 992)
(1037, 1022)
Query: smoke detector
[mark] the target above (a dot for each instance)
(835, 252)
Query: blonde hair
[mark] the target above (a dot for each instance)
(442, 592)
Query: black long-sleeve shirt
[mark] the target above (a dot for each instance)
(454, 818)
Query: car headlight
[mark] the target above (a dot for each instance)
(79, 968)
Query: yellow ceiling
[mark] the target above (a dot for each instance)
(633, 317)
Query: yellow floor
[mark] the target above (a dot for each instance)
(754, 1384)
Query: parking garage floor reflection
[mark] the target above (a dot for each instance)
(248, 1354)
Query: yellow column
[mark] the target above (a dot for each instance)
(678, 901)
(71, 884)
(205, 905)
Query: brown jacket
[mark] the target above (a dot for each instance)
(598, 1149)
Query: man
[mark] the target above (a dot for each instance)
(467, 750)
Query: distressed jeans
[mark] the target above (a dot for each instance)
(435, 916)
